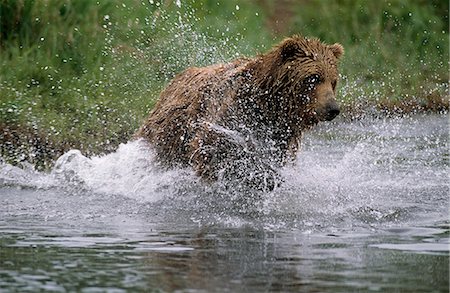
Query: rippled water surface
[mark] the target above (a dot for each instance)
(365, 208)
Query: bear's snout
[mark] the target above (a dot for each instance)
(331, 110)
(327, 108)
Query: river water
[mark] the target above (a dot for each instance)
(365, 208)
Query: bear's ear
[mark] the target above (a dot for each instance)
(337, 50)
(288, 49)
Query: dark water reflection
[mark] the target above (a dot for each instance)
(365, 211)
(86, 257)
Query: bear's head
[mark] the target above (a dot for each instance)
(301, 75)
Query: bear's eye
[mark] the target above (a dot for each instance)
(313, 79)
(333, 84)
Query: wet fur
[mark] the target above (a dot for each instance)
(244, 119)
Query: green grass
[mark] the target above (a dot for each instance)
(84, 74)
(395, 50)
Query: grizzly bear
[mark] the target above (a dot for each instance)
(243, 120)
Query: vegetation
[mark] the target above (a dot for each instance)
(84, 74)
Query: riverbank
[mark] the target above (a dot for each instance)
(20, 143)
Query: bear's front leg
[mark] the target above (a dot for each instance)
(226, 157)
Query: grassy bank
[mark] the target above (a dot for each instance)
(84, 74)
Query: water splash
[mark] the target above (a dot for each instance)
(356, 174)
(129, 171)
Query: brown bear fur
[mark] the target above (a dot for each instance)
(244, 119)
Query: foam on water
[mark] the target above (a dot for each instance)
(24, 176)
(129, 171)
(348, 174)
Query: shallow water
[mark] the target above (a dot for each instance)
(365, 208)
